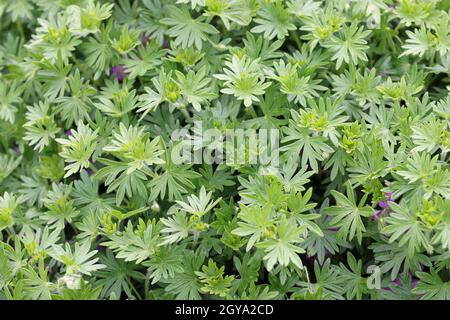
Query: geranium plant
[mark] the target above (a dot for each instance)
(225, 149)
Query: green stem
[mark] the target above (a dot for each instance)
(133, 288)
(20, 28)
(147, 284)
(307, 279)
(296, 39)
(185, 114)
(252, 112)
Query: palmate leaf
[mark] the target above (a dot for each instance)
(79, 260)
(84, 292)
(40, 127)
(116, 178)
(176, 228)
(136, 244)
(320, 245)
(393, 258)
(419, 42)
(8, 204)
(185, 284)
(328, 283)
(185, 30)
(6, 271)
(255, 222)
(355, 283)
(76, 105)
(292, 179)
(243, 79)
(119, 104)
(195, 87)
(98, 51)
(144, 60)
(428, 136)
(350, 46)
(298, 88)
(8, 164)
(54, 78)
(165, 263)
(405, 226)
(10, 94)
(198, 206)
(299, 142)
(150, 18)
(273, 20)
(194, 3)
(348, 216)
(231, 11)
(442, 232)
(216, 180)
(172, 181)
(100, 102)
(150, 100)
(421, 175)
(116, 275)
(432, 287)
(86, 195)
(283, 249)
(213, 280)
(35, 285)
(78, 148)
(133, 146)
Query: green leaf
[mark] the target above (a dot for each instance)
(347, 215)
(186, 30)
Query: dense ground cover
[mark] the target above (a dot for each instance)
(98, 99)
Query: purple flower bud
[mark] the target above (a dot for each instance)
(376, 215)
(68, 132)
(383, 204)
(388, 198)
(413, 281)
(119, 72)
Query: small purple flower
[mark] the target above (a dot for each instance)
(99, 247)
(385, 204)
(119, 72)
(413, 281)
(376, 215)
(68, 132)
